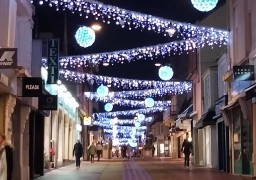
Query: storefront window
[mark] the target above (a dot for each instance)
(237, 141)
(242, 143)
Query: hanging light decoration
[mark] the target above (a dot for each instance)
(141, 53)
(178, 88)
(137, 124)
(204, 5)
(130, 19)
(149, 102)
(85, 36)
(165, 73)
(130, 112)
(102, 91)
(122, 102)
(141, 117)
(108, 107)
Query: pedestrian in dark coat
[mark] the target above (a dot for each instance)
(78, 152)
(186, 149)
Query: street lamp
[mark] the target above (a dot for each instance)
(96, 27)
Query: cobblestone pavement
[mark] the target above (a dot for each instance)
(136, 169)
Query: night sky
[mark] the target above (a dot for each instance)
(112, 37)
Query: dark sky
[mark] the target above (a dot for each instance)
(112, 37)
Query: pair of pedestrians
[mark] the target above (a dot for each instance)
(92, 150)
(95, 150)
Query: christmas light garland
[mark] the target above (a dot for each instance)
(142, 94)
(130, 122)
(114, 15)
(123, 102)
(178, 86)
(130, 112)
(142, 53)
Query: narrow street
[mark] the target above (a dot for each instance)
(136, 169)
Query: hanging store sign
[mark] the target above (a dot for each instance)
(8, 58)
(32, 86)
(53, 61)
(48, 102)
(222, 101)
(243, 73)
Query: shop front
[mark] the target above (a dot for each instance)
(238, 115)
(222, 131)
(207, 139)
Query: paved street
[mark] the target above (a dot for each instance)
(136, 169)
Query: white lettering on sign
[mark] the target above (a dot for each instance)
(32, 87)
(7, 58)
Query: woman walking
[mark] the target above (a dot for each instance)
(98, 150)
(92, 151)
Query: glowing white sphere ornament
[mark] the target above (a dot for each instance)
(108, 107)
(137, 124)
(165, 73)
(204, 5)
(141, 117)
(102, 91)
(85, 36)
(149, 102)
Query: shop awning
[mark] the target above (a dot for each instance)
(206, 119)
(185, 114)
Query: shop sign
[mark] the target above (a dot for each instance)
(48, 102)
(243, 73)
(87, 121)
(32, 86)
(53, 61)
(8, 58)
(223, 101)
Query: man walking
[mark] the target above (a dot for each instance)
(186, 149)
(78, 152)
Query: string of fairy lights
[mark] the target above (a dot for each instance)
(142, 94)
(132, 20)
(143, 53)
(123, 102)
(188, 38)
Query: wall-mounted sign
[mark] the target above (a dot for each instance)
(87, 121)
(53, 61)
(243, 73)
(8, 58)
(32, 86)
(48, 102)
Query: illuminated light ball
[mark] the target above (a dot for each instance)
(165, 73)
(102, 91)
(204, 5)
(108, 107)
(85, 36)
(137, 124)
(141, 117)
(149, 102)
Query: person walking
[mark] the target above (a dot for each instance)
(78, 152)
(6, 158)
(98, 150)
(186, 149)
(92, 151)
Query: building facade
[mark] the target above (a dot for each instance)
(239, 113)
